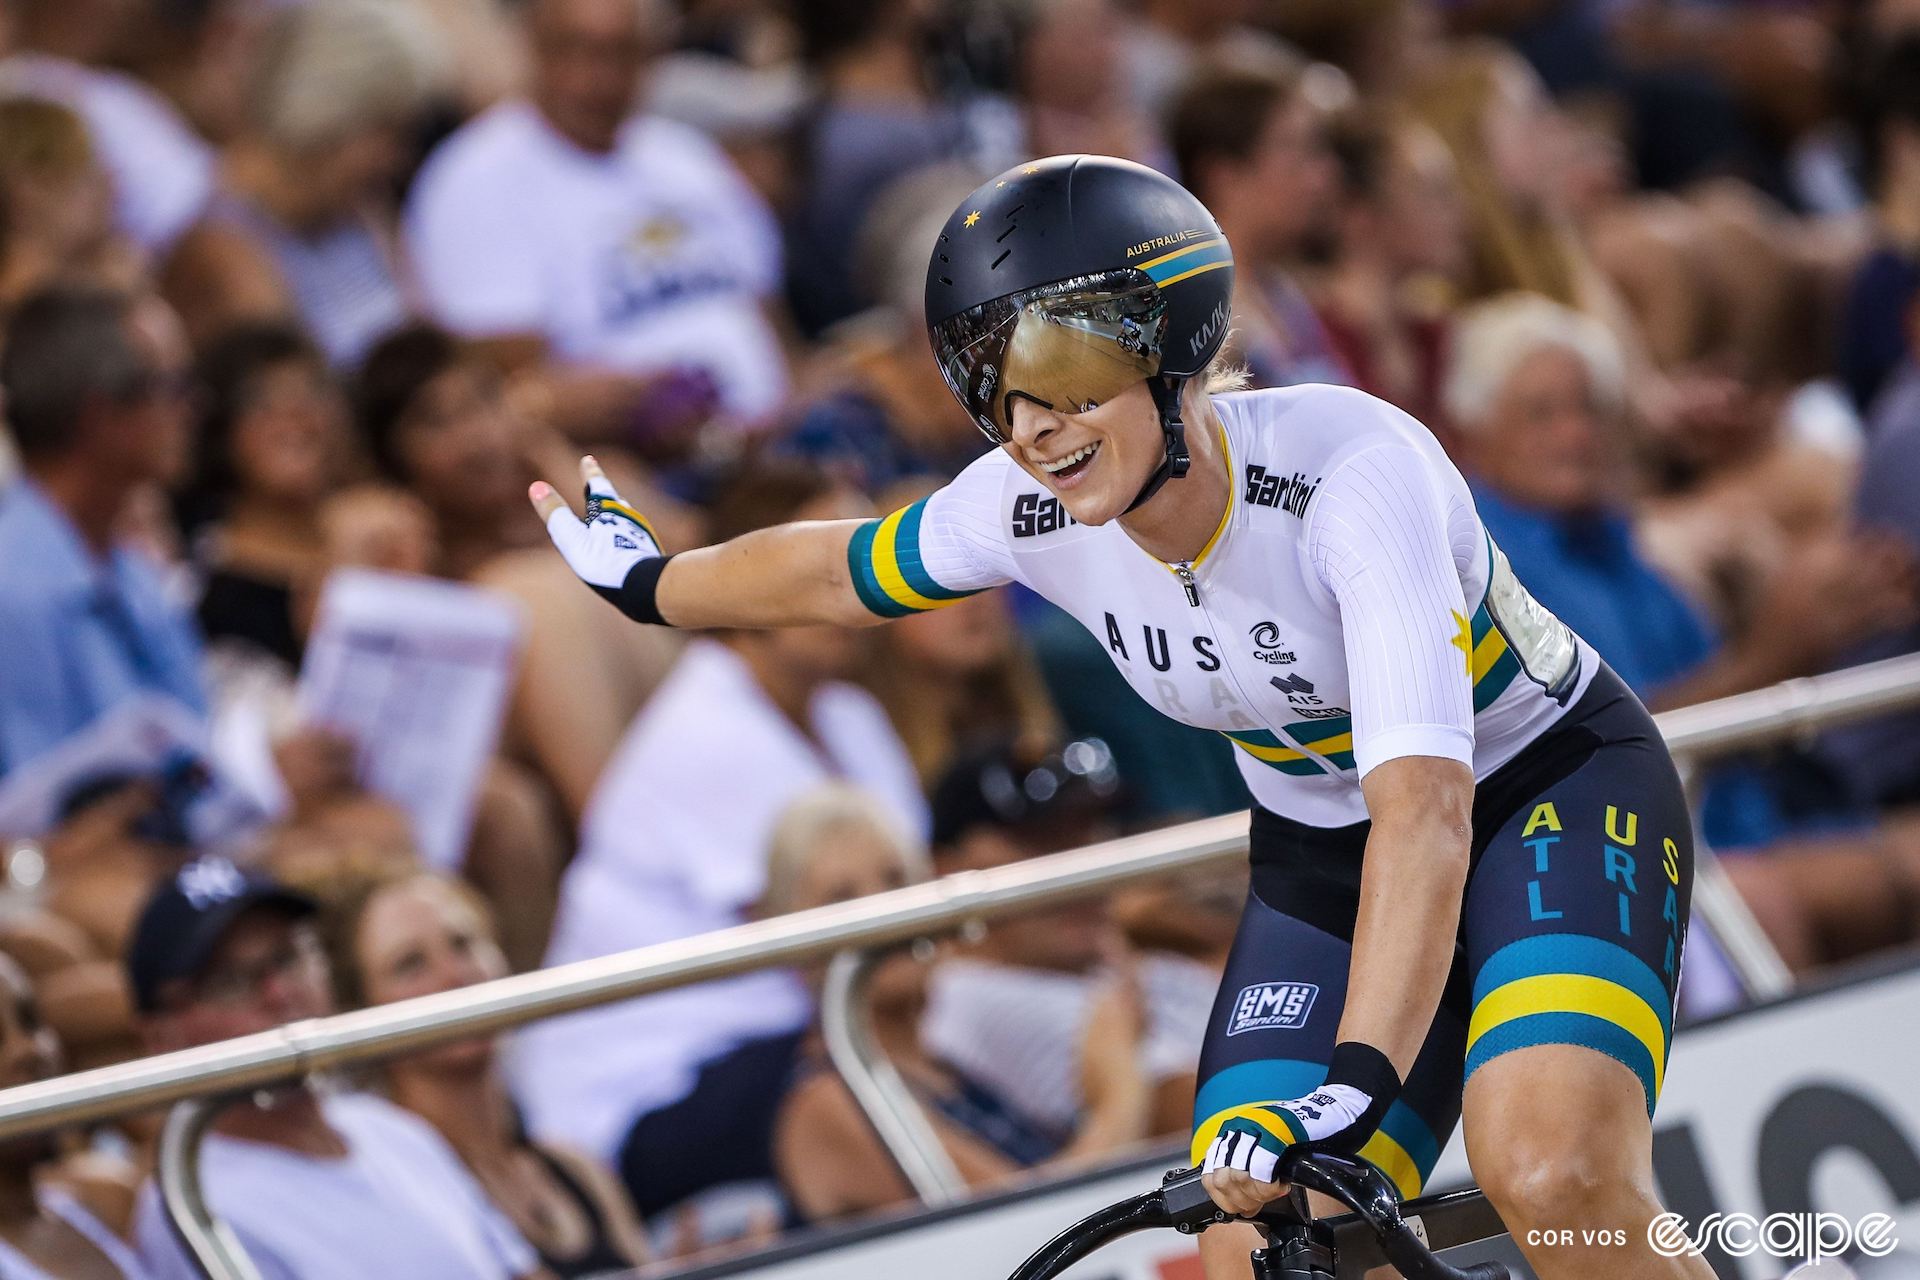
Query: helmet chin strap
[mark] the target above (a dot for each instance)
(1166, 399)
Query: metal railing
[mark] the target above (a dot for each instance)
(290, 1053)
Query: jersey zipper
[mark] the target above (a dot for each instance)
(1184, 571)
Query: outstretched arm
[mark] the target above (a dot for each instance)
(789, 575)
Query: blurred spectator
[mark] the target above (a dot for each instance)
(617, 255)
(1384, 45)
(952, 679)
(1872, 332)
(876, 117)
(302, 226)
(1401, 240)
(55, 204)
(315, 1188)
(880, 413)
(1069, 83)
(80, 990)
(45, 1232)
(832, 843)
(1252, 145)
(674, 840)
(272, 448)
(1181, 928)
(485, 51)
(420, 933)
(1012, 1013)
(1511, 151)
(1879, 759)
(835, 846)
(436, 418)
(1169, 39)
(99, 403)
(163, 173)
(1534, 392)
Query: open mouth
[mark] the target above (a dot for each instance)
(1071, 466)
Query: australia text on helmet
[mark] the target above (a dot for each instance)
(1810, 1236)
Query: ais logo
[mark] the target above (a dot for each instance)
(1272, 1006)
(1034, 515)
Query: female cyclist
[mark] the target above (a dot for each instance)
(1471, 854)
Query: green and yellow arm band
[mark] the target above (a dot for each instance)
(888, 573)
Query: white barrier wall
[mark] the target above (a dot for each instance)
(1812, 1103)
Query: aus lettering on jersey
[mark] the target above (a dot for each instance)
(1272, 1006)
(1271, 489)
(1035, 514)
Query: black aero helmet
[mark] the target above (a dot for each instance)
(1067, 280)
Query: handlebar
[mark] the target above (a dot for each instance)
(1181, 1202)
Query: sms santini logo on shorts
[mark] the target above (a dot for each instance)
(1272, 1006)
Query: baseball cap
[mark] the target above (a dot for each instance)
(1002, 787)
(187, 916)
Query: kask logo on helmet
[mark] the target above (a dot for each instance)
(1203, 336)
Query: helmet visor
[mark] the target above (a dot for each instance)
(1066, 346)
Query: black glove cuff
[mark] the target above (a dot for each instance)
(637, 597)
(1365, 1068)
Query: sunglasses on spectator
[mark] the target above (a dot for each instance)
(243, 983)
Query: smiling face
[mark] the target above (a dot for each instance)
(1547, 440)
(423, 936)
(1094, 462)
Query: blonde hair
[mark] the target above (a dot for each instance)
(833, 809)
(1492, 339)
(335, 67)
(1513, 248)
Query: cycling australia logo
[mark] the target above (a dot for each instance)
(1266, 643)
(1272, 1006)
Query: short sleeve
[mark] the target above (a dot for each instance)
(477, 265)
(1378, 539)
(942, 549)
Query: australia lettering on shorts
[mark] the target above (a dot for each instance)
(1272, 1006)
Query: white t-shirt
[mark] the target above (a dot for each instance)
(15, 1265)
(1348, 610)
(654, 256)
(674, 843)
(162, 171)
(1018, 1030)
(400, 1203)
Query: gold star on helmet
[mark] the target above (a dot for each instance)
(971, 218)
(1032, 168)
(1000, 184)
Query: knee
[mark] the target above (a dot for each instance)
(1545, 1183)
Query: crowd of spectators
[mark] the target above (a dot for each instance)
(291, 288)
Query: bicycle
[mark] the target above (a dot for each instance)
(1380, 1231)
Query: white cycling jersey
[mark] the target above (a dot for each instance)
(1349, 609)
